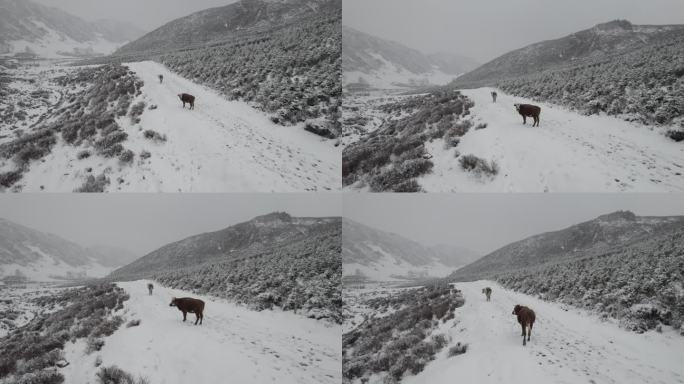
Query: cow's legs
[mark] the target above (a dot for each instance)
(524, 120)
(522, 325)
(197, 317)
(185, 315)
(536, 120)
(529, 332)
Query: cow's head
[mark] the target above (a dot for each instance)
(173, 302)
(516, 309)
(517, 107)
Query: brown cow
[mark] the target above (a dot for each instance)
(187, 304)
(186, 98)
(530, 110)
(526, 319)
(487, 291)
(150, 287)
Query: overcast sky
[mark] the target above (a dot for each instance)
(486, 29)
(146, 14)
(144, 222)
(486, 222)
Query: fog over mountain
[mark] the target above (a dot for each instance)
(485, 30)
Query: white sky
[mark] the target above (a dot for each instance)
(485, 29)
(144, 222)
(146, 14)
(486, 222)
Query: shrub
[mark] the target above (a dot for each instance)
(7, 179)
(145, 154)
(458, 349)
(133, 323)
(478, 166)
(94, 184)
(126, 156)
(83, 154)
(46, 376)
(94, 344)
(675, 135)
(154, 136)
(116, 375)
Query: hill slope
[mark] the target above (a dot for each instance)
(599, 42)
(578, 241)
(618, 265)
(631, 71)
(282, 56)
(43, 257)
(29, 27)
(272, 260)
(371, 253)
(384, 63)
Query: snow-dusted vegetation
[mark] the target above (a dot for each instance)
(303, 277)
(393, 156)
(292, 73)
(638, 284)
(84, 115)
(34, 352)
(644, 85)
(404, 339)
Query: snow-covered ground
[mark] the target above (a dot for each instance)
(567, 346)
(568, 152)
(233, 344)
(220, 146)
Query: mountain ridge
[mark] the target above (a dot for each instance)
(615, 37)
(379, 255)
(241, 240)
(27, 27)
(380, 61)
(578, 241)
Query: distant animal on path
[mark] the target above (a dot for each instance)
(526, 319)
(528, 110)
(150, 287)
(186, 98)
(188, 304)
(494, 96)
(161, 78)
(487, 291)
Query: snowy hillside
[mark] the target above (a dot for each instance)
(284, 57)
(594, 237)
(568, 152)
(630, 71)
(602, 41)
(105, 334)
(272, 261)
(368, 61)
(145, 140)
(619, 265)
(39, 256)
(567, 346)
(232, 342)
(486, 148)
(371, 254)
(29, 28)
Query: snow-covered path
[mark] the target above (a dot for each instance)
(228, 146)
(220, 146)
(568, 152)
(233, 345)
(566, 346)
